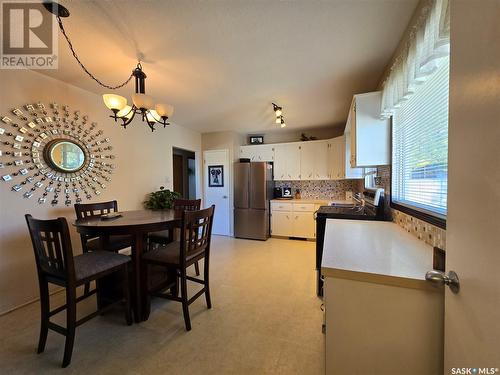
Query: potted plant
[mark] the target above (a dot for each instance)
(161, 199)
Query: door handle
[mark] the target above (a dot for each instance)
(439, 277)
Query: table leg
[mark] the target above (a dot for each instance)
(138, 287)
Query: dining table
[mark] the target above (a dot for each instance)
(138, 224)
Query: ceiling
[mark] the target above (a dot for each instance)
(222, 63)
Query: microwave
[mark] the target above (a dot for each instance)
(283, 193)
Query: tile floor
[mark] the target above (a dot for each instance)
(265, 319)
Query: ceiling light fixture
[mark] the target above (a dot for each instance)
(142, 104)
(278, 111)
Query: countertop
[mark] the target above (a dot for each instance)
(375, 251)
(323, 201)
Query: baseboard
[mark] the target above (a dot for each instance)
(28, 303)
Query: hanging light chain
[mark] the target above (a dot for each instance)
(83, 66)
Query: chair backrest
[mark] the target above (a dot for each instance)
(90, 210)
(186, 204)
(196, 232)
(52, 247)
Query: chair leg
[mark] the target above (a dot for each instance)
(197, 268)
(184, 297)
(70, 324)
(126, 295)
(45, 310)
(206, 278)
(145, 285)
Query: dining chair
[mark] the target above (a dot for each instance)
(113, 243)
(194, 245)
(164, 237)
(56, 264)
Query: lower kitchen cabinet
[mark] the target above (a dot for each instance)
(293, 220)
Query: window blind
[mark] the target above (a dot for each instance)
(420, 146)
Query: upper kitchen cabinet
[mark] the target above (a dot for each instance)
(314, 163)
(257, 152)
(368, 134)
(338, 160)
(287, 161)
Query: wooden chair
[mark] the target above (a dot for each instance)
(55, 264)
(164, 237)
(110, 243)
(92, 210)
(194, 245)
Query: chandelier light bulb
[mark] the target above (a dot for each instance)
(143, 101)
(278, 112)
(278, 120)
(283, 125)
(114, 102)
(164, 110)
(126, 112)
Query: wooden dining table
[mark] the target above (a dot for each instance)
(137, 224)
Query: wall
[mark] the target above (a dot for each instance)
(144, 162)
(225, 140)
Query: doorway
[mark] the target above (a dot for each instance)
(184, 177)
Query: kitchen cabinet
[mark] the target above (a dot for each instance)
(338, 160)
(293, 220)
(369, 136)
(257, 152)
(314, 163)
(287, 161)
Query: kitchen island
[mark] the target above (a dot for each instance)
(381, 316)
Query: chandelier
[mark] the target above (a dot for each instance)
(278, 111)
(142, 104)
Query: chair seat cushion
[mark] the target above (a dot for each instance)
(95, 262)
(161, 237)
(168, 254)
(116, 243)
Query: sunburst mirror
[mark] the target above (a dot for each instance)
(58, 156)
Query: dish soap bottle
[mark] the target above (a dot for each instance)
(297, 194)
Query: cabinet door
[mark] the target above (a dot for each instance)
(293, 161)
(281, 223)
(280, 162)
(349, 171)
(321, 165)
(265, 153)
(304, 225)
(246, 152)
(308, 157)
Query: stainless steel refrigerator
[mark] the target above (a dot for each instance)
(253, 188)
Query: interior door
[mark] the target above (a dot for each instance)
(218, 195)
(472, 328)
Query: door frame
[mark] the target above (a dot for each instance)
(228, 177)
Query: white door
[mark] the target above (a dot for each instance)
(214, 192)
(321, 170)
(280, 162)
(308, 160)
(293, 161)
(472, 317)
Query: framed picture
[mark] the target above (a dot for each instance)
(215, 175)
(256, 139)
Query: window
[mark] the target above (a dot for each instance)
(420, 149)
(370, 174)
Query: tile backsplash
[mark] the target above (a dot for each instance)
(424, 231)
(331, 189)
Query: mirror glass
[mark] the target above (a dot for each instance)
(66, 156)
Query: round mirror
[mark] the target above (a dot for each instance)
(65, 155)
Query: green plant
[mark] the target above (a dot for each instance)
(161, 199)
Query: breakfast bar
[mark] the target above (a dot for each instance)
(365, 262)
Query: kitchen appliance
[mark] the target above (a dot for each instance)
(253, 188)
(368, 206)
(283, 193)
